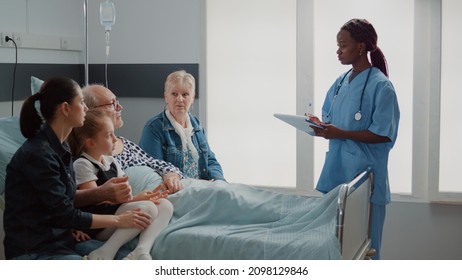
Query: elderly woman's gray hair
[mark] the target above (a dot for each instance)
(180, 78)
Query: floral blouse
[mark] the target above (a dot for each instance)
(133, 155)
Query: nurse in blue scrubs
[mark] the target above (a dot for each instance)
(361, 116)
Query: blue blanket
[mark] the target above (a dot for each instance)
(218, 220)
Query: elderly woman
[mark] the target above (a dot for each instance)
(177, 136)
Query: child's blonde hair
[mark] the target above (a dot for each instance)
(91, 126)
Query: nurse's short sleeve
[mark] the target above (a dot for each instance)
(385, 118)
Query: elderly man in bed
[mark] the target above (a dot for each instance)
(128, 154)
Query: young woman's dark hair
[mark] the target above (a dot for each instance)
(363, 32)
(53, 92)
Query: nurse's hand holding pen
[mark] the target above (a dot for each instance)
(327, 131)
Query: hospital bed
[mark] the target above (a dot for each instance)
(219, 220)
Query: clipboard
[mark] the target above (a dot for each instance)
(299, 122)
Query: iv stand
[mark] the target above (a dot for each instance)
(85, 14)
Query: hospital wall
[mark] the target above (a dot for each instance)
(173, 32)
(144, 36)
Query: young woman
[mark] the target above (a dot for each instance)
(360, 117)
(94, 143)
(40, 187)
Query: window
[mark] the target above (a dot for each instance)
(256, 50)
(250, 76)
(450, 148)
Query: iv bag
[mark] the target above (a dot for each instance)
(107, 14)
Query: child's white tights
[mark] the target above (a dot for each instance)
(160, 213)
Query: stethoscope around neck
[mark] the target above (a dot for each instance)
(358, 114)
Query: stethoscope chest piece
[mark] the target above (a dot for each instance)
(358, 114)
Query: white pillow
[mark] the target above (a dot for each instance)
(11, 139)
(35, 84)
(142, 178)
(2, 205)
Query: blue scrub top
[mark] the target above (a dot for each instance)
(380, 115)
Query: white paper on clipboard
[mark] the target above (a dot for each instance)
(299, 122)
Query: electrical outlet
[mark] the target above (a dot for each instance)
(9, 43)
(2, 39)
(64, 43)
(17, 39)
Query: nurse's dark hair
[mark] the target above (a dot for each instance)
(363, 32)
(52, 93)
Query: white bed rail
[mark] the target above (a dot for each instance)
(353, 217)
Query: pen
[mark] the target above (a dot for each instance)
(310, 109)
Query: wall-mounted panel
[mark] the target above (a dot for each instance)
(139, 80)
(126, 80)
(24, 73)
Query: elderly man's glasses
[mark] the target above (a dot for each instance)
(115, 104)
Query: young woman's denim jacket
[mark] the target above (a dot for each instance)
(160, 140)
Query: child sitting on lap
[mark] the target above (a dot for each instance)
(93, 143)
